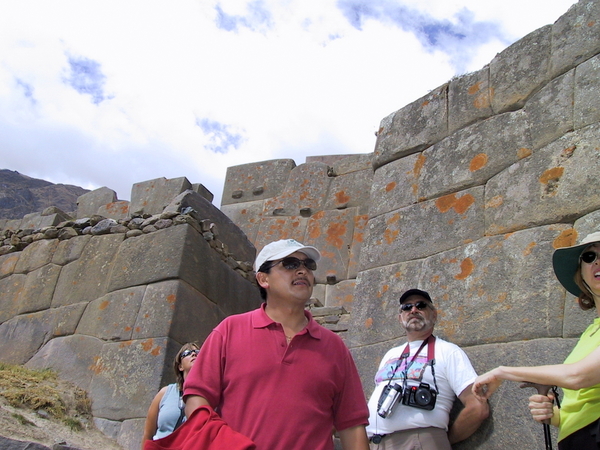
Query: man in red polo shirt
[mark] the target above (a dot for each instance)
(274, 374)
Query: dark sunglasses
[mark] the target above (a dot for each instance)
(409, 306)
(291, 263)
(588, 257)
(186, 353)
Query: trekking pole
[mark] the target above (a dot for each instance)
(542, 389)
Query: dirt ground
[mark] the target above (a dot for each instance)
(26, 425)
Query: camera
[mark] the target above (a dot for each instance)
(421, 396)
(388, 399)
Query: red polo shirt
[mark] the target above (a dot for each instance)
(283, 397)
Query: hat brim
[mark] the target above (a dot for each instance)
(565, 262)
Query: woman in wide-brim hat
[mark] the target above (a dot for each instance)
(578, 270)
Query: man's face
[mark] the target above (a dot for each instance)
(289, 283)
(418, 320)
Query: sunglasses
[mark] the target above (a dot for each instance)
(588, 257)
(291, 263)
(186, 353)
(409, 306)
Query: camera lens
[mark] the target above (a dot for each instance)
(423, 397)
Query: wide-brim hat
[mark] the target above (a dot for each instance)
(281, 249)
(565, 262)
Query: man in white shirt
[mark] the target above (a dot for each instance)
(417, 383)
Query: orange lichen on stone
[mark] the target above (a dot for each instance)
(315, 230)
(390, 235)
(565, 239)
(482, 101)
(369, 322)
(466, 269)
(529, 248)
(335, 234)
(342, 197)
(393, 219)
(495, 202)
(97, 366)
(103, 305)
(385, 288)
(552, 174)
(524, 152)
(460, 205)
(568, 152)
(147, 344)
(478, 162)
(171, 298)
(425, 103)
(155, 351)
(390, 186)
(475, 88)
(419, 163)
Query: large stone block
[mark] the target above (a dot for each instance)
(228, 232)
(8, 263)
(367, 359)
(88, 203)
(115, 210)
(353, 163)
(87, 278)
(246, 216)
(11, 288)
(519, 70)
(256, 181)
(130, 433)
(575, 36)
(73, 357)
(497, 289)
(36, 255)
(395, 184)
(510, 424)
(553, 185)
(14, 444)
(152, 196)
(38, 289)
(174, 308)
(275, 228)
(203, 191)
(341, 294)
(112, 317)
(423, 229)
(180, 252)
(350, 190)
(69, 250)
(473, 155)
(587, 100)
(413, 128)
(331, 232)
(469, 99)
(127, 375)
(36, 221)
(305, 190)
(551, 110)
(22, 336)
(375, 309)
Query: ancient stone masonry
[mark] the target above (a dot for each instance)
(107, 298)
(468, 192)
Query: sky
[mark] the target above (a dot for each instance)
(115, 92)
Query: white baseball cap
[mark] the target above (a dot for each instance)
(281, 249)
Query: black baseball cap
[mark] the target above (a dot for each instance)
(410, 292)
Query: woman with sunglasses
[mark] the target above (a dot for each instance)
(166, 411)
(578, 270)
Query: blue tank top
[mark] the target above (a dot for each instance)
(169, 410)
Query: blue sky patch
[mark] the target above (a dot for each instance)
(87, 78)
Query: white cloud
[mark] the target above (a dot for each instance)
(294, 78)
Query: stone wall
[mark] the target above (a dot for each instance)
(108, 297)
(468, 192)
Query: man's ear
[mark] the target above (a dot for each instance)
(263, 279)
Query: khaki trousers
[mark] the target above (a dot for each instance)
(430, 438)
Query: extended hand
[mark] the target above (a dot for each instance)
(485, 385)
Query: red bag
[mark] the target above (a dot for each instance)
(204, 430)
